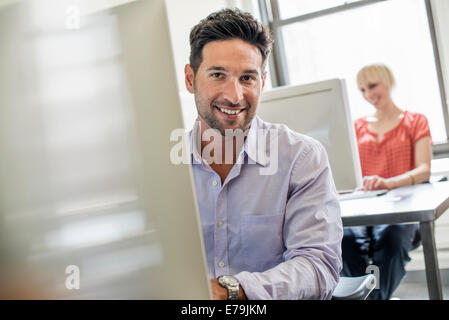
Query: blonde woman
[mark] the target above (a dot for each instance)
(395, 150)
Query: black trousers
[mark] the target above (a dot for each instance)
(384, 246)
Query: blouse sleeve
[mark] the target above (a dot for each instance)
(358, 124)
(421, 128)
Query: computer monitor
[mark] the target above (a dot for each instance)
(91, 205)
(319, 110)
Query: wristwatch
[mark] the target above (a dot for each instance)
(231, 284)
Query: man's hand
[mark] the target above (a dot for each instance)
(376, 183)
(220, 293)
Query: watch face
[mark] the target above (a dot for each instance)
(231, 284)
(229, 280)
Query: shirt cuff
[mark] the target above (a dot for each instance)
(249, 283)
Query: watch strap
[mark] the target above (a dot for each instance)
(233, 290)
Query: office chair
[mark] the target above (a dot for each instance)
(354, 288)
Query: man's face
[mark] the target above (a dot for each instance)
(227, 84)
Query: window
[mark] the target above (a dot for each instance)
(289, 9)
(335, 42)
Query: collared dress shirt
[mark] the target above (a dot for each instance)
(279, 233)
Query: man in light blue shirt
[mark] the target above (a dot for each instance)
(269, 213)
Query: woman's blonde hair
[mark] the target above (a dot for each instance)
(375, 73)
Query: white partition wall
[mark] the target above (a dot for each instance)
(91, 205)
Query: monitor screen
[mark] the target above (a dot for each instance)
(319, 110)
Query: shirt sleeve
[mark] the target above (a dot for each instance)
(358, 124)
(421, 128)
(312, 236)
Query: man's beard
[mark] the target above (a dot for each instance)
(212, 121)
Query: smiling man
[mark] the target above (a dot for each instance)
(234, 67)
(267, 236)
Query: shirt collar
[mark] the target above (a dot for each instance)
(252, 141)
(195, 143)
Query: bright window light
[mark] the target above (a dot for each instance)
(289, 8)
(394, 32)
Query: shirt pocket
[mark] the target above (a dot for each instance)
(262, 241)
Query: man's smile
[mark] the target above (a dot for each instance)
(229, 111)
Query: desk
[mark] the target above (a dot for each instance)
(422, 203)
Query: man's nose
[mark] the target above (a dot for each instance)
(233, 91)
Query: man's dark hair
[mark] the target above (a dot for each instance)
(228, 24)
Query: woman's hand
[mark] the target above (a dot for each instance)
(376, 183)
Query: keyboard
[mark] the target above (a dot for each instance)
(360, 194)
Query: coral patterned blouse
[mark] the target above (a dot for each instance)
(395, 153)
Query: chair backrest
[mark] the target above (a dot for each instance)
(354, 288)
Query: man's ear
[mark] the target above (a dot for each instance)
(189, 77)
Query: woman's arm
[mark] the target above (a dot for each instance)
(423, 156)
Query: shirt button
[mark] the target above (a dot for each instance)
(221, 264)
(215, 183)
(220, 223)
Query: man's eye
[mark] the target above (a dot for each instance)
(247, 78)
(216, 75)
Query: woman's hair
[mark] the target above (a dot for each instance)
(375, 73)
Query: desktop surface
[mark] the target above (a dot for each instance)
(423, 202)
